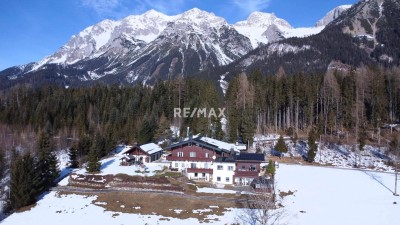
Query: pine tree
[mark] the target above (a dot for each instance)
(99, 146)
(163, 132)
(46, 168)
(22, 184)
(280, 145)
(93, 165)
(2, 163)
(271, 168)
(362, 138)
(313, 147)
(147, 130)
(73, 156)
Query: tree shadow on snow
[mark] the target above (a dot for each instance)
(106, 164)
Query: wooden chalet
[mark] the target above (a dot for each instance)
(141, 154)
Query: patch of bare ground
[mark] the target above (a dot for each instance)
(166, 206)
(283, 194)
(26, 208)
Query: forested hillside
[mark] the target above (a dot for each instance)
(362, 98)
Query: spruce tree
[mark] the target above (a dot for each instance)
(46, 167)
(22, 182)
(73, 156)
(2, 163)
(313, 147)
(281, 146)
(362, 138)
(271, 168)
(93, 165)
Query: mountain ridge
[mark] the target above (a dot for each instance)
(153, 46)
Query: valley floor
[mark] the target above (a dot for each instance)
(321, 196)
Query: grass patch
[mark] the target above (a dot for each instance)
(283, 194)
(180, 207)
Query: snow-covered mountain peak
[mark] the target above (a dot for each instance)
(153, 14)
(198, 16)
(264, 20)
(332, 15)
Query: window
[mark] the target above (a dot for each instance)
(180, 154)
(243, 167)
(230, 168)
(192, 154)
(196, 174)
(207, 155)
(204, 174)
(193, 165)
(252, 168)
(176, 165)
(219, 167)
(218, 178)
(227, 179)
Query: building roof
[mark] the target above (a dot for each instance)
(209, 143)
(220, 144)
(121, 150)
(151, 148)
(231, 159)
(250, 157)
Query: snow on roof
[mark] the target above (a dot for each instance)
(220, 144)
(123, 149)
(151, 148)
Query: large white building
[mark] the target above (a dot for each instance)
(224, 170)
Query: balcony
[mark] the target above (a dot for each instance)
(196, 170)
(189, 159)
(247, 173)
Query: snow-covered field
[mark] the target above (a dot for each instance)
(79, 210)
(336, 196)
(321, 196)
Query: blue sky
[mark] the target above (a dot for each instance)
(31, 30)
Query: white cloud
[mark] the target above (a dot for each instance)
(102, 6)
(249, 6)
(120, 8)
(165, 6)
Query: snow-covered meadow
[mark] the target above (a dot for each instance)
(321, 196)
(79, 210)
(338, 196)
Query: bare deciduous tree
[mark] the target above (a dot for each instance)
(263, 207)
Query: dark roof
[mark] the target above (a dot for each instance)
(226, 159)
(195, 141)
(250, 157)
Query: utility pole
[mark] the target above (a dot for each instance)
(395, 179)
(319, 148)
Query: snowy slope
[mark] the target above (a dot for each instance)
(322, 196)
(257, 24)
(331, 15)
(336, 196)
